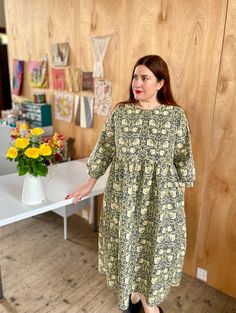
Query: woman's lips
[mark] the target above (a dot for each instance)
(138, 91)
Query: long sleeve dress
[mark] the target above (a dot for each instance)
(142, 233)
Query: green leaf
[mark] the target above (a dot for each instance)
(42, 169)
(22, 170)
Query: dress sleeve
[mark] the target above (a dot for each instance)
(104, 150)
(183, 157)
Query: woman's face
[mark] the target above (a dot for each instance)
(145, 85)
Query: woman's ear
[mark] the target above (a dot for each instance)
(160, 84)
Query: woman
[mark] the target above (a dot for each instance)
(142, 233)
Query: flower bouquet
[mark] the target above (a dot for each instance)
(32, 153)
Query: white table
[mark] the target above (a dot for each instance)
(62, 179)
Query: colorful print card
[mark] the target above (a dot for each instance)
(73, 75)
(60, 54)
(84, 116)
(64, 106)
(18, 75)
(103, 97)
(38, 73)
(58, 78)
(87, 81)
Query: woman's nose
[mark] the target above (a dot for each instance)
(138, 82)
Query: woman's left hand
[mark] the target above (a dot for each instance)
(82, 191)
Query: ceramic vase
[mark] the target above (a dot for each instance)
(33, 191)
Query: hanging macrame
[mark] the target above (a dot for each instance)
(99, 45)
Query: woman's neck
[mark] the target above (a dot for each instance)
(148, 104)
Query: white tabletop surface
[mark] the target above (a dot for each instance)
(63, 178)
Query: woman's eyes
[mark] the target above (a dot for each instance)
(144, 78)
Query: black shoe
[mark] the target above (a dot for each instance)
(133, 308)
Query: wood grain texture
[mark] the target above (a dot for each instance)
(189, 37)
(184, 34)
(217, 235)
(43, 273)
(187, 34)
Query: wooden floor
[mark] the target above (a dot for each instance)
(43, 273)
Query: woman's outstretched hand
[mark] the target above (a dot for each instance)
(82, 191)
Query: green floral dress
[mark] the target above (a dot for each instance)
(142, 234)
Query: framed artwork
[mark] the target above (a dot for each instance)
(18, 76)
(64, 106)
(58, 79)
(60, 54)
(87, 81)
(102, 97)
(38, 73)
(73, 75)
(84, 115)
(76, 105)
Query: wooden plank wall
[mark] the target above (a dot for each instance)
(189, 36)
(217, 233)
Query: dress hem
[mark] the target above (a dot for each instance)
(132, 291)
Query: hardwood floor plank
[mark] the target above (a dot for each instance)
(103, 302)
(230, 306)
(80, 297)
(43, 273)
(194, 296)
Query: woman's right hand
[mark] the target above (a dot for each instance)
(82, 191)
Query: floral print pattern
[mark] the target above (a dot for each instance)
(142, 234)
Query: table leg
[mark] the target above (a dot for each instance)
(65, 227)
(1, 289)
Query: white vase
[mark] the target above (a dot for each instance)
(33, 191)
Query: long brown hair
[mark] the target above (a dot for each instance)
(160, 69)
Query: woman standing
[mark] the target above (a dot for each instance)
(142, 233)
